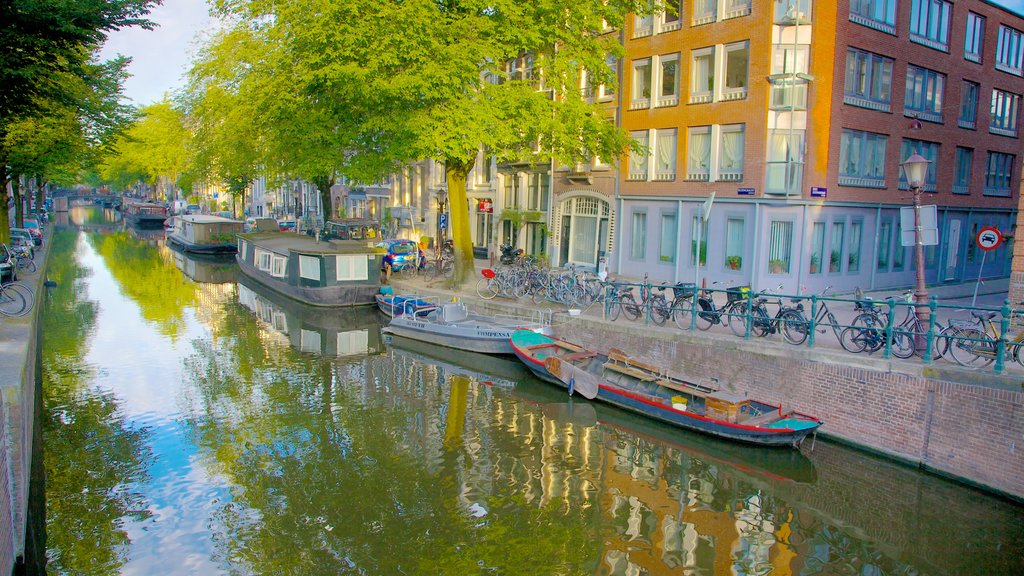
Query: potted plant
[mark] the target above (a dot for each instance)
(815, 263)
(776, 266)
(833, 262)
(734, 262)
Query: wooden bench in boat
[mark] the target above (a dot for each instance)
(617, 356)
(766, 418)
(629, 371)
(577, 356)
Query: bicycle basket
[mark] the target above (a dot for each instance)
(738, 293)
(682, 289)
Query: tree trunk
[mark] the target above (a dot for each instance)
(5, 214)
(19, 206)
(40, 192)
(456, 172)
(323, 185)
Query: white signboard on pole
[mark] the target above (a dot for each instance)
(929, 225)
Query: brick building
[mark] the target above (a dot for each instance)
(798, 114)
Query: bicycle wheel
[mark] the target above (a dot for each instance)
(760, 321)
(630, 309)
(12, 303)
(706, 314)
(25, 290)
(614, 307)
(941, 346)
(738, 319)
(486, 288)
(660, 312)
(794, 327)
(852, 339)
(682, 313)
(967, 347)
(26, 264)
(902, 344)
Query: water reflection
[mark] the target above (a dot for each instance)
(266, 437)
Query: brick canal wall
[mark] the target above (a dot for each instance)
(961, 423)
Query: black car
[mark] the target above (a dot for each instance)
(7, 273)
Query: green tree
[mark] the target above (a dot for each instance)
(153, 149)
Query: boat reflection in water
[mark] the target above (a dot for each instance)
(205, 269)
(332, 333)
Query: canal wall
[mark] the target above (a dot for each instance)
(961, 423)
(19, 384)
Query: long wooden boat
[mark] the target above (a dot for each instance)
(636, 386)
(144, 214)
(454, 326)
(333, 274)
(204, 234)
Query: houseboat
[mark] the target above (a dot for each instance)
(144, 214)
(203, 234)
(324, 273)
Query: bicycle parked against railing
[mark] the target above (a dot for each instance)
(799, 328)
(708, 313)
(787, 319)
(976, 343)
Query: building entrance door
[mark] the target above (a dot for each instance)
(585, 225)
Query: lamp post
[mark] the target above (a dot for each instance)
(916, 169)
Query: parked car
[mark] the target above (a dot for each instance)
(401, 254)
(193, 209)
(7, 268)
(260, 225)
(22, 239)
(35, 230)
(286, 225)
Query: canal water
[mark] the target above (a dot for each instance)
(195, 424)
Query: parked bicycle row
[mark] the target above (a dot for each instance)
(16, 298)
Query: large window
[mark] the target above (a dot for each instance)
(853, 250)
(817, 247)
(862, 159)
(930, 152)
(974, 38)
(789, 91)
(929, 23)
(538, 193)
(669, 84)
(962, 170)
(352, 267)
(669, 236)
(785, 161)
(638, 159)
(968, 105)
(898, 250)
(702, 76)
(665, 154)
(641, 93)
(734, 243)
(868, 80)
(737, 58)
(703, 232)
(1010, 51)
(877, 14)
(698, 155)
(638, 240)
(835, 258)
(924, 93)
(1005, 106)
(309, 266)
(730, 153)
(884, 240)
(999, 173)
(780, 246)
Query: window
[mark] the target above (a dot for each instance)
(929, 23)
(924, 94)
(968, 105)
(835, 259)
(1004, 113)
(351, 267)
(817, 246)
(780, 246)
(669, 84)
(999, 173)
(737, 58)
(309, 267)
(704, 11)
(898, 250)
(884, 239)
(278, 266)
(672, 15)
(789, 91)
(930, 151)
(665, 154)
(638, 246)
(641, 83)
(734, 243)
(853, 250)
(702, 79)
(785, 161)
(538, 192)
(877, 14)
(974, 39)
(703, 230)
(790, 11)
(643, 25)
(730, 153)
(862, 159)
(698, 158)
(868, 80)
(638, 160)
(962, 170)
(613, 67)
(511, 190)
(1010, 51)
(669, 235)
(262, 259)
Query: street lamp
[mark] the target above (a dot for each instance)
(916, 168)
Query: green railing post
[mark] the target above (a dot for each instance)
(929, 343)
(607, 300)
(811, 324)
(645, 293)
(1004, 325)
(696, 305)
(888, 328)
(748, 320)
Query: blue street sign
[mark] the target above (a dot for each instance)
(745, 191)
(442, 221)
(819, 192)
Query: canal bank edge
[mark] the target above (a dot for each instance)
(955, 422)
(19, 413)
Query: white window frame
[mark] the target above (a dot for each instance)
(734, 92)
(262, 259)
(640, 92)
(279, 266)
(639, 163)
(695, 171)
(309, 267)
(352, 267)
(731, 174)
(667, 98)
(705, 93)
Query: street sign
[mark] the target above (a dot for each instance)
(442, 221)
(745, 191)
(819, 192)
(989, 238)
(929, 225)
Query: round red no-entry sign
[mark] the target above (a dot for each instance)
(989, 238)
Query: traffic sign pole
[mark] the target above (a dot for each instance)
(989, 238)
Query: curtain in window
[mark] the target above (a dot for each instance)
(669, 235)
(817, 246)
(732, 150)
(835, 259)
(666, 151)
(702, 73)
(703, 242)
(780, 246)
(638, 246)
(700, 150)
(584, 242)
(884, 238)
(853, 252)
(638, 161)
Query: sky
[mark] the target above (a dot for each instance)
(161, 57)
